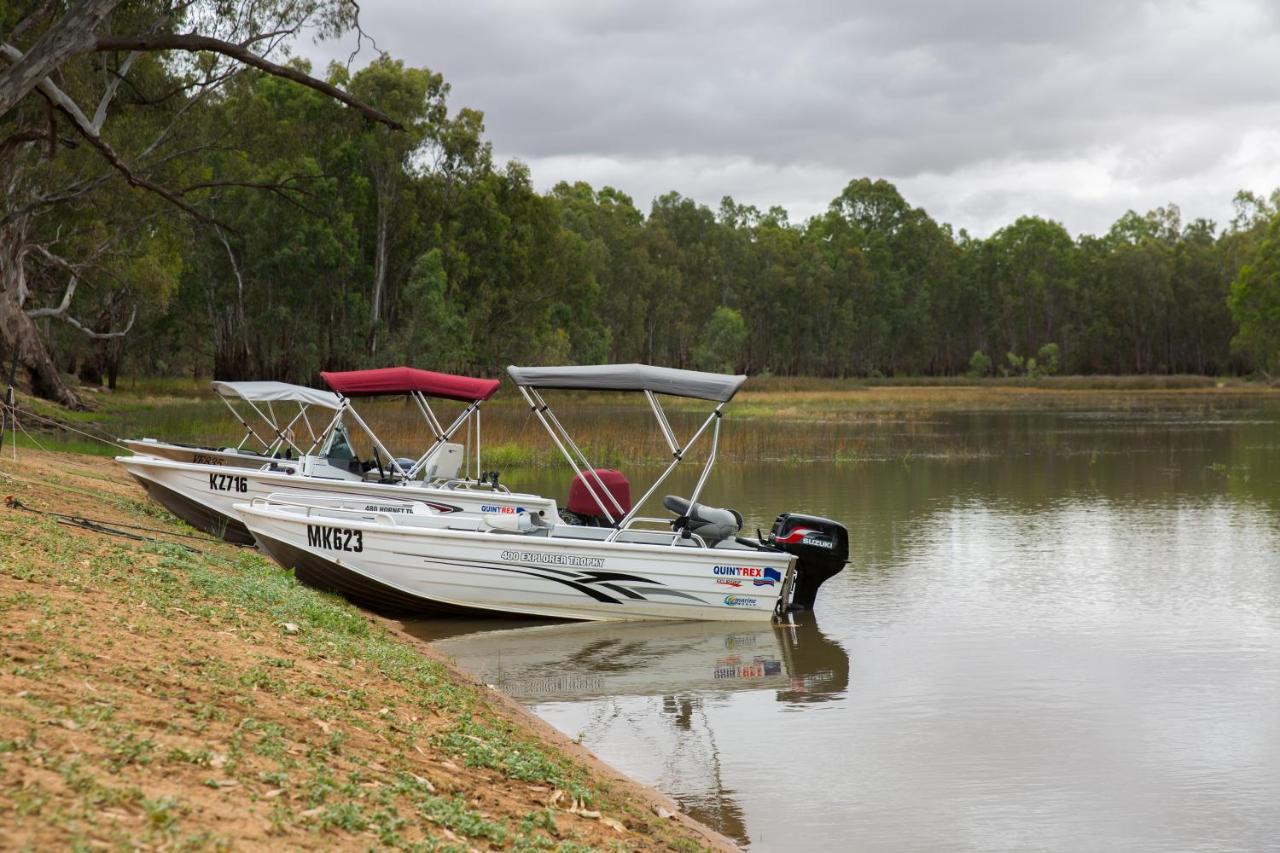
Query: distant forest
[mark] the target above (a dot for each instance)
(298, 235)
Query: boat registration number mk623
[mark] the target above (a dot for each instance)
(228, 483)
(335, 538)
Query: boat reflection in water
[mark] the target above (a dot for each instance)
(653, 698)
(587, 660)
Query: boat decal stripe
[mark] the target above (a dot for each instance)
(624, 591)
(675, 593)
(598, 577)
(591, 591)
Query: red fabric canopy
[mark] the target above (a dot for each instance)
(402, 380)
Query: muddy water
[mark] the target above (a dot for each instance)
(1057, 632)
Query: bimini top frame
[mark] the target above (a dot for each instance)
(418, 385)
(266, 393)
(651, 381)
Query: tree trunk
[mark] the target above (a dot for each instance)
(18, 333)
(72, 34)
(380, 265)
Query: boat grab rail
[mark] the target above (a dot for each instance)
(460, 483)
(676, 536)
(268, 502)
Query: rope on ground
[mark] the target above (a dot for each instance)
(99, 526)
(13, 412)
(34, 441)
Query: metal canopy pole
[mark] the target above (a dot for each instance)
(307, 420)
(663, 423)
(539, 414)
(333, 422)
(706, 469)
(289, 426)
(433, 423)
(586, 463)
(714, 416)
(445, 435)
(374, 438)
(269, 420)
(249, 430)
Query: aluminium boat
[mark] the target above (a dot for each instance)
(204, 492)
(600, 560)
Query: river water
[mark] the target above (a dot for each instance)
(1057, 632)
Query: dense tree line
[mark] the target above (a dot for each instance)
(311, 238)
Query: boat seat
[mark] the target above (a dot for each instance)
(713, 524)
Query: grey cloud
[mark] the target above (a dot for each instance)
(921, 92)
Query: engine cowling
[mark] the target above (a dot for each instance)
(584, 508)
(821, 546)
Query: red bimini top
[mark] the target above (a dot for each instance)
(389, 381)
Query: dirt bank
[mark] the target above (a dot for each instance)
(176, 692)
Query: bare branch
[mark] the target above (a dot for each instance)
(135, 180)
(98, 336)
(35, 313)
(197, 43)
(275, 188)
(100, 114)
(18, 138)
(60, 312)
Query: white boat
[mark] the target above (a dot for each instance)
(596, 563)
(204, 492)
(273, 438)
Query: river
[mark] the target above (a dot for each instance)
(1057, 631)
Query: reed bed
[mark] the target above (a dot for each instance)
(773, 419)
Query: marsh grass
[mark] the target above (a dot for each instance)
(774, 418)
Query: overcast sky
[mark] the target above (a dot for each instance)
(978, 110)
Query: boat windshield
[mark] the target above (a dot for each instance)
(338, 448)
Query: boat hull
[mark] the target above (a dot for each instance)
(205, 496)
(438, 571)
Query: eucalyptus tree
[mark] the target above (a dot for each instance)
(1255, 300)
(98, 95)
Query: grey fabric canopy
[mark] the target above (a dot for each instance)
(278, 392)
(632, 377)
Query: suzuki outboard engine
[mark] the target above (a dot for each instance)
(822, 546)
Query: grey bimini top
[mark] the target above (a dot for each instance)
(719, 387)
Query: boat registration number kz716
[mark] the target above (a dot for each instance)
(228, 483)
(335, 538)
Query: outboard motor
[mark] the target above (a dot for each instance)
(583, 509)
(822, 546)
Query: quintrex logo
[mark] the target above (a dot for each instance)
(502, 510)
(740, 601)
(758, 576)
